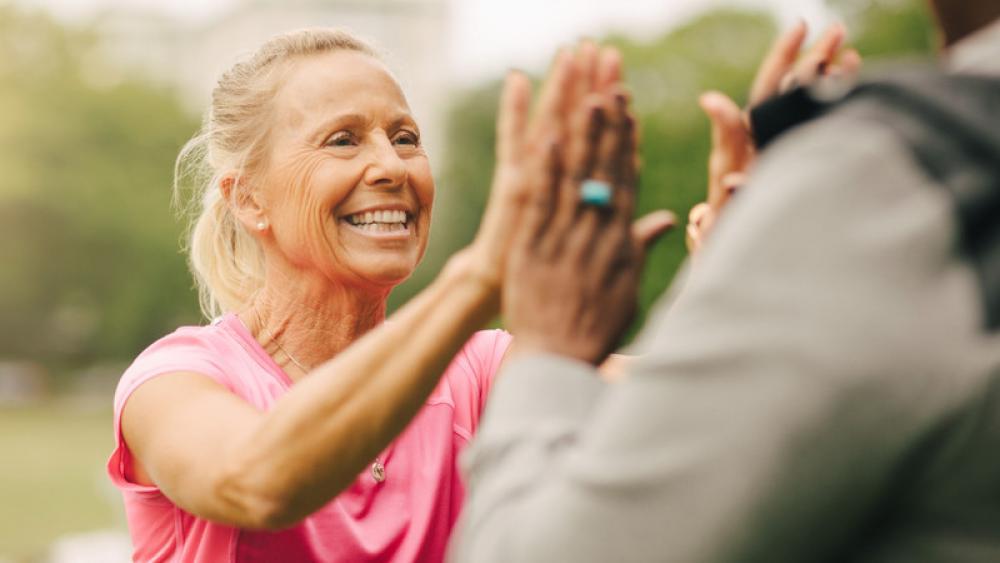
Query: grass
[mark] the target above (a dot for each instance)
(52, 478)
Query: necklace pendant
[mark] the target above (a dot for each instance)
(378, 471)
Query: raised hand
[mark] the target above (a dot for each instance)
(524, 138)
(571, 282)
(732, 155)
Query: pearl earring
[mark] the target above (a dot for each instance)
(261, 225)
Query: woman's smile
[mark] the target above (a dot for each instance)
(381, 223)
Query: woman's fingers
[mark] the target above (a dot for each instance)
(609, 70)
(512, 118)
(585, 61)
(553, 100)
(778, 63)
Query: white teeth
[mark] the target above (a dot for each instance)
(380, 220)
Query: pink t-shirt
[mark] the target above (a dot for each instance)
(407, 517)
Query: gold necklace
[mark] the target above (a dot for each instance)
(377, 468)
(290, 356)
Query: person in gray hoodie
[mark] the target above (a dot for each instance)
(824, 387)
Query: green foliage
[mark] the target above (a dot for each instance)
(888, 28)
(92, 268)
(666, 76)
(91, 263)
(52, 480)
(717, 51)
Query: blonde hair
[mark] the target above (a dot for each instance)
(225, 259)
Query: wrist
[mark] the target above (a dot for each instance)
(542, 345)
(470, 276)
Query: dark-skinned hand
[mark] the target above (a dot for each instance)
(571, 282)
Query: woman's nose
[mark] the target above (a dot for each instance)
(386, 169)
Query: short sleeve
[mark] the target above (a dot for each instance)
(470, 376)
(187, 350)
(487, 350)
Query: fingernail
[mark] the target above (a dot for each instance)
(709, 101)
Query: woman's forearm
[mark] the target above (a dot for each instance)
(330, 425)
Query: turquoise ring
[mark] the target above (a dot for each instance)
(595, 192)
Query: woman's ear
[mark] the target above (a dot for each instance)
(243, 202)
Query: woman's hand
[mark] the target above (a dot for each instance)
(732, 142)
(571, 283)
(522, 146)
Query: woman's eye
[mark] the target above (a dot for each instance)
(407, 138)
(341, 140)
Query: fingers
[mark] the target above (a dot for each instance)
(820, 57)
(609, 71)
(585, 62)
(625, 159)
(616, 158)
(594, 143)
(580, 160)
(553, 101)
(733, 183)
(850, 63)
(699, 221)
(650, 227)
(731, 146)
(538, 216)
(778, 63)
(783, 70)
(512, 117)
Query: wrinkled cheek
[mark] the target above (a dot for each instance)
(307, 218)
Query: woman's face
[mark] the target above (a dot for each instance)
(347, 185)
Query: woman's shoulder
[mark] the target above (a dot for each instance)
(479, 359)
(469, 378)
(185, 342)
(487, 347)
(204, 349)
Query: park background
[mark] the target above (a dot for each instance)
(97, 96)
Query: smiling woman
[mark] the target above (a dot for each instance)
(298, 425)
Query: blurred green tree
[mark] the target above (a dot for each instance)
(716, 51)
(91, 262)
(719, 50)
(91, 268)
(888, 28)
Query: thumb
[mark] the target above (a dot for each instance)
(647, 229)
(727, 120)
(730, 142)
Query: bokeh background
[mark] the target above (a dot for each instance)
(97, 96)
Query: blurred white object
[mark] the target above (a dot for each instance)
(102, 546)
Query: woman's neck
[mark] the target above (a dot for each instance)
(302, 322)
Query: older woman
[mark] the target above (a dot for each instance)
(298, 426)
